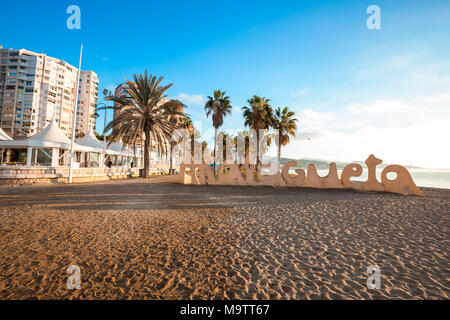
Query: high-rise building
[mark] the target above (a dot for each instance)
(87, 101)
(119, 91)
(35, 88)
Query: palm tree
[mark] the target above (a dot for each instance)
(144, 109)
(186, 123)
(218, 107)
(242, 135)
(284, 122)
(227, 146)
(204, 146)
(174, 138)
(258, 116)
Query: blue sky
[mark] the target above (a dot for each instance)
(356, 91)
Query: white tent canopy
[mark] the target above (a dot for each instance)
(49, 137)
(52, 137)
(4, 136)
(51, 133)
(118, 148)
(90, 140)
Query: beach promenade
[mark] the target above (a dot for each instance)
(153, 239)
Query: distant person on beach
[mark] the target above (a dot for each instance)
(132, 164)
(110, 164)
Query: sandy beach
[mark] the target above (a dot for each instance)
(137, 239)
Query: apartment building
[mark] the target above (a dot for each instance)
(34, 88)
(87, 101)
(119, 91)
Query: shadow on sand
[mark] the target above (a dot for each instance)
(156, 195)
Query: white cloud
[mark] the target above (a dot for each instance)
(237, 109)
(191, 100)
(396, 106)
(302, 92)
(438, 100)
(313, 124)
(385, 113)
(395, 131)
(101, 57)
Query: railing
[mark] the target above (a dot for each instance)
(19, 175)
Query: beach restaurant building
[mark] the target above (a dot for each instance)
(46, 155)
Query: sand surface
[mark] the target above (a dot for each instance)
(138, 239)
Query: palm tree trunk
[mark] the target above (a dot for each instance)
(257, 150)
(166, 151)
(215, 138)
(279, 155)
(145, 174)
(171, 160)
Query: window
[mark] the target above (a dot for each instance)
(12, 74)
(41, 157)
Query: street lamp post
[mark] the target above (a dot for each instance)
(104, 107)
(104, 127)
(74, 124)
(96, 115)
(105, 92)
